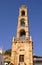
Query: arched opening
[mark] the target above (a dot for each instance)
(22, 22)
(22, 33)
(23, 13)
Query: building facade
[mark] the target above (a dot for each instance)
(22, 52)
(37, 60)
(22, 44)
(1, 58)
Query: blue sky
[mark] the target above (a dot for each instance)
(9, 11)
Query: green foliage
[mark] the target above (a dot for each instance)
(7, 62)
(8, 52)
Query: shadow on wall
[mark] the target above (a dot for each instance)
(11, 64)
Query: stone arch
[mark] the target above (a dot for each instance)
(22, 22)
(20, 50)
(22, 33)
(21, 53)
(22, 13)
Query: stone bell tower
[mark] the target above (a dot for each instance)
(22, 52)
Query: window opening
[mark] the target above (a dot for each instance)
(22, 22)
(23, 13)
(21, 58)
(22, 34)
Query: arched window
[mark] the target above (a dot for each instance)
(22, 34)
(23, 13)
(22, 22)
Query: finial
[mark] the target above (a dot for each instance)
(30, 38)
(13, 39)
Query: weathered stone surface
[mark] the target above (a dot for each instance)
(22, 44)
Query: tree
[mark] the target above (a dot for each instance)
(8, 52)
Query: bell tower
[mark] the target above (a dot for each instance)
(22, 52)
(23, 24)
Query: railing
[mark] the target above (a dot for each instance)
(21, 39)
